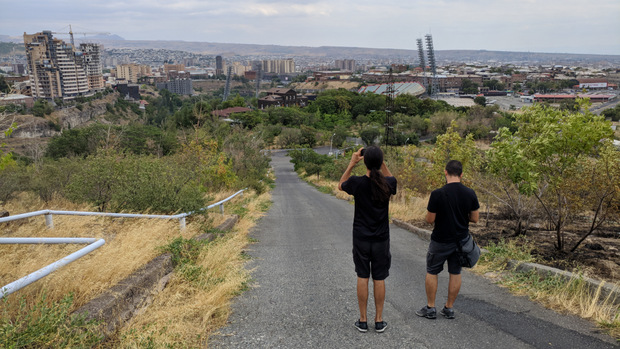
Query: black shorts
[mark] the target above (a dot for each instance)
(372, 258)
(439, 253)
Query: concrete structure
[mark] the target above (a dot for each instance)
(27, 101)
(219, 65)
(279, 66)
(593, 83)
(346, 64)
(58, 70)
(129, 72)
(91, 58)
(178, 86)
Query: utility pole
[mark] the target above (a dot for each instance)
(389, 109)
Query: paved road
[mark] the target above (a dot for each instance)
(303, 290)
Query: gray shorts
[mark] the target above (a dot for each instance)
(439, 253)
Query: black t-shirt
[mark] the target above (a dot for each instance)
(452, 203)
(370, 221)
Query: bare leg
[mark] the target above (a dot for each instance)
(362, 297)
(454, 286)
(431, 289)
(379, 290)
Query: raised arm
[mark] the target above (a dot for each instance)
(386, 172)
(355, 158)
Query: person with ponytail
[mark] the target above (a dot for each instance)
(371, 230)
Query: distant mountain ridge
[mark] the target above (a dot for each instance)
(231, 49)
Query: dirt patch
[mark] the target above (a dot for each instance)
(598, 256)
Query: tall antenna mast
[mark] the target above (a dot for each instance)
(432, 64)
(422, 63)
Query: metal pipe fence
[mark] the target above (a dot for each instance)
(93, 243)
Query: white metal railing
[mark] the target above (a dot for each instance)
(181, 216)
(93, 242)
(32, 277)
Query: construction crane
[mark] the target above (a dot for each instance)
(71, 32)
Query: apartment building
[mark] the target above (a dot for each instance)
(58, 70)
(345, 64)
(132, 72)
(91, 57)
(178, 86)
(279, 66)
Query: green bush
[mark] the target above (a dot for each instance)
(50, 177)
(136, 183)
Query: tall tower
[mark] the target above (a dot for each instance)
(422, 63)
(389, 110)
(219, 65)
(432, 64)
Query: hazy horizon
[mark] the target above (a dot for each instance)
(550, 26)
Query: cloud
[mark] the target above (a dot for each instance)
(534, 25)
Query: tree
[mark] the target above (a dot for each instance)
(451, 146)
(6, 159)
(545, 154)
(494, 85)
(469, 87)
(480, 100)
(41, 108)
(4, 86)
(369, 135)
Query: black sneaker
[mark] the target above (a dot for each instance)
(447, 312)
(429, 313)
(361, 326)
(380, 326)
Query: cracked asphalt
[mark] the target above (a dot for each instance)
(303, 290)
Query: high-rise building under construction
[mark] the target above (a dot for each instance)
(59, 70)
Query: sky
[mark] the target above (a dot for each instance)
(554, 26)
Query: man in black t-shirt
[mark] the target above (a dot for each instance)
(451, 208)
(371, 232)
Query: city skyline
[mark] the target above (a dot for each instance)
(553, 26)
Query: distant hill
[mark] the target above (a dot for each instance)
(442, 56)
(227, 49)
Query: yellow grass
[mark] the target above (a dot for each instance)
(184, 314)
(130, 243)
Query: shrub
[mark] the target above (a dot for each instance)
(136, 183)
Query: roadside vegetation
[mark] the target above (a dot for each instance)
(139, 167)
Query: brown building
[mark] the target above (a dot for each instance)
(280, 97)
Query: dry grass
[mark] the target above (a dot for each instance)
(130, 243)
(573, 296)
(188, 312)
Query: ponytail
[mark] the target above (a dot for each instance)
(379, 188)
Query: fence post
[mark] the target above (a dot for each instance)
(222, 208)
(49, 222)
